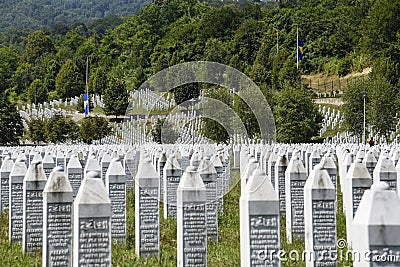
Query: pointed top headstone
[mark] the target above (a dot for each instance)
(146, 169)
(92, 190)
(115, 167)
(7, 164)
(58, 182)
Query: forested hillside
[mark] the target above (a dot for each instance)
(34, 14)
(258, 39)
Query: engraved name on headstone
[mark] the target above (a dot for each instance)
(92, 223)
(296, 176)
(57, 224)
(191, 220)
(5, 171)
(147, 206)
(376, 227)
(172, 175)
(75, 174)
(32, 227)
(116, 189)
(209, 176)
(259, 222)
(320, 219)
(16, 201)
(280, 187)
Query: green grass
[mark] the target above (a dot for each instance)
(11, 255)
(224, 253)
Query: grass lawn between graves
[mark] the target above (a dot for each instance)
(225, 253)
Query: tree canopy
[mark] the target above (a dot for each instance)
(11, 128)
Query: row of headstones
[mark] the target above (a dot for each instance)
(311, 210)
(45, 214)
(14, 177)
(145, 200)
(73, 159)
(311, 205)
(96, 100)
(193, 198)
(330, 118)
(129, 133)
(41, 113)
(148, 100)
(135, 132)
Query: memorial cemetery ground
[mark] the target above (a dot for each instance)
(225, 253)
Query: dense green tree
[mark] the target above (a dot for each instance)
(59, 129)
(11, 128)
(380, 27)
(212, 129)
(296, 117)
(98, 80)
(22, 77)
(186, 91)
(162, 132)
(37, 92)
(94, 128)
(36, 131)
(69, 81)
(37, 45)
(115, 97)
(382, 105)
(8, 65)
(353, 107)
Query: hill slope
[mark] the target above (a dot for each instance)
(34, 14)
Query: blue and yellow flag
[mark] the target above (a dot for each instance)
(300, 50)
(86, 104)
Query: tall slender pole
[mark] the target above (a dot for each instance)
(297, 46)
(86, 81)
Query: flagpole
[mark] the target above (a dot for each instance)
(297, 47)
(86, 81)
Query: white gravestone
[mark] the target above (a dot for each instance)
(129, 165)
(105, 162)
(48, 164)
(358, 181)
(329, 165)
(209, 176)
(246, 173)
(32, 227)
(271, 167)
(314, 159)
(92, 223)
(259, 222)
(191, 220)
(5, 171)
(160, 168)
(172, 175)
(385, 172)
(280, 187)
(296, 176)
(147, 218)
(219, 168)
(57, 220)
(376, 228)
(320, 219)
(16, 201)
(75, 174)
(116, 189)
(60, 160)
(92, 165)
